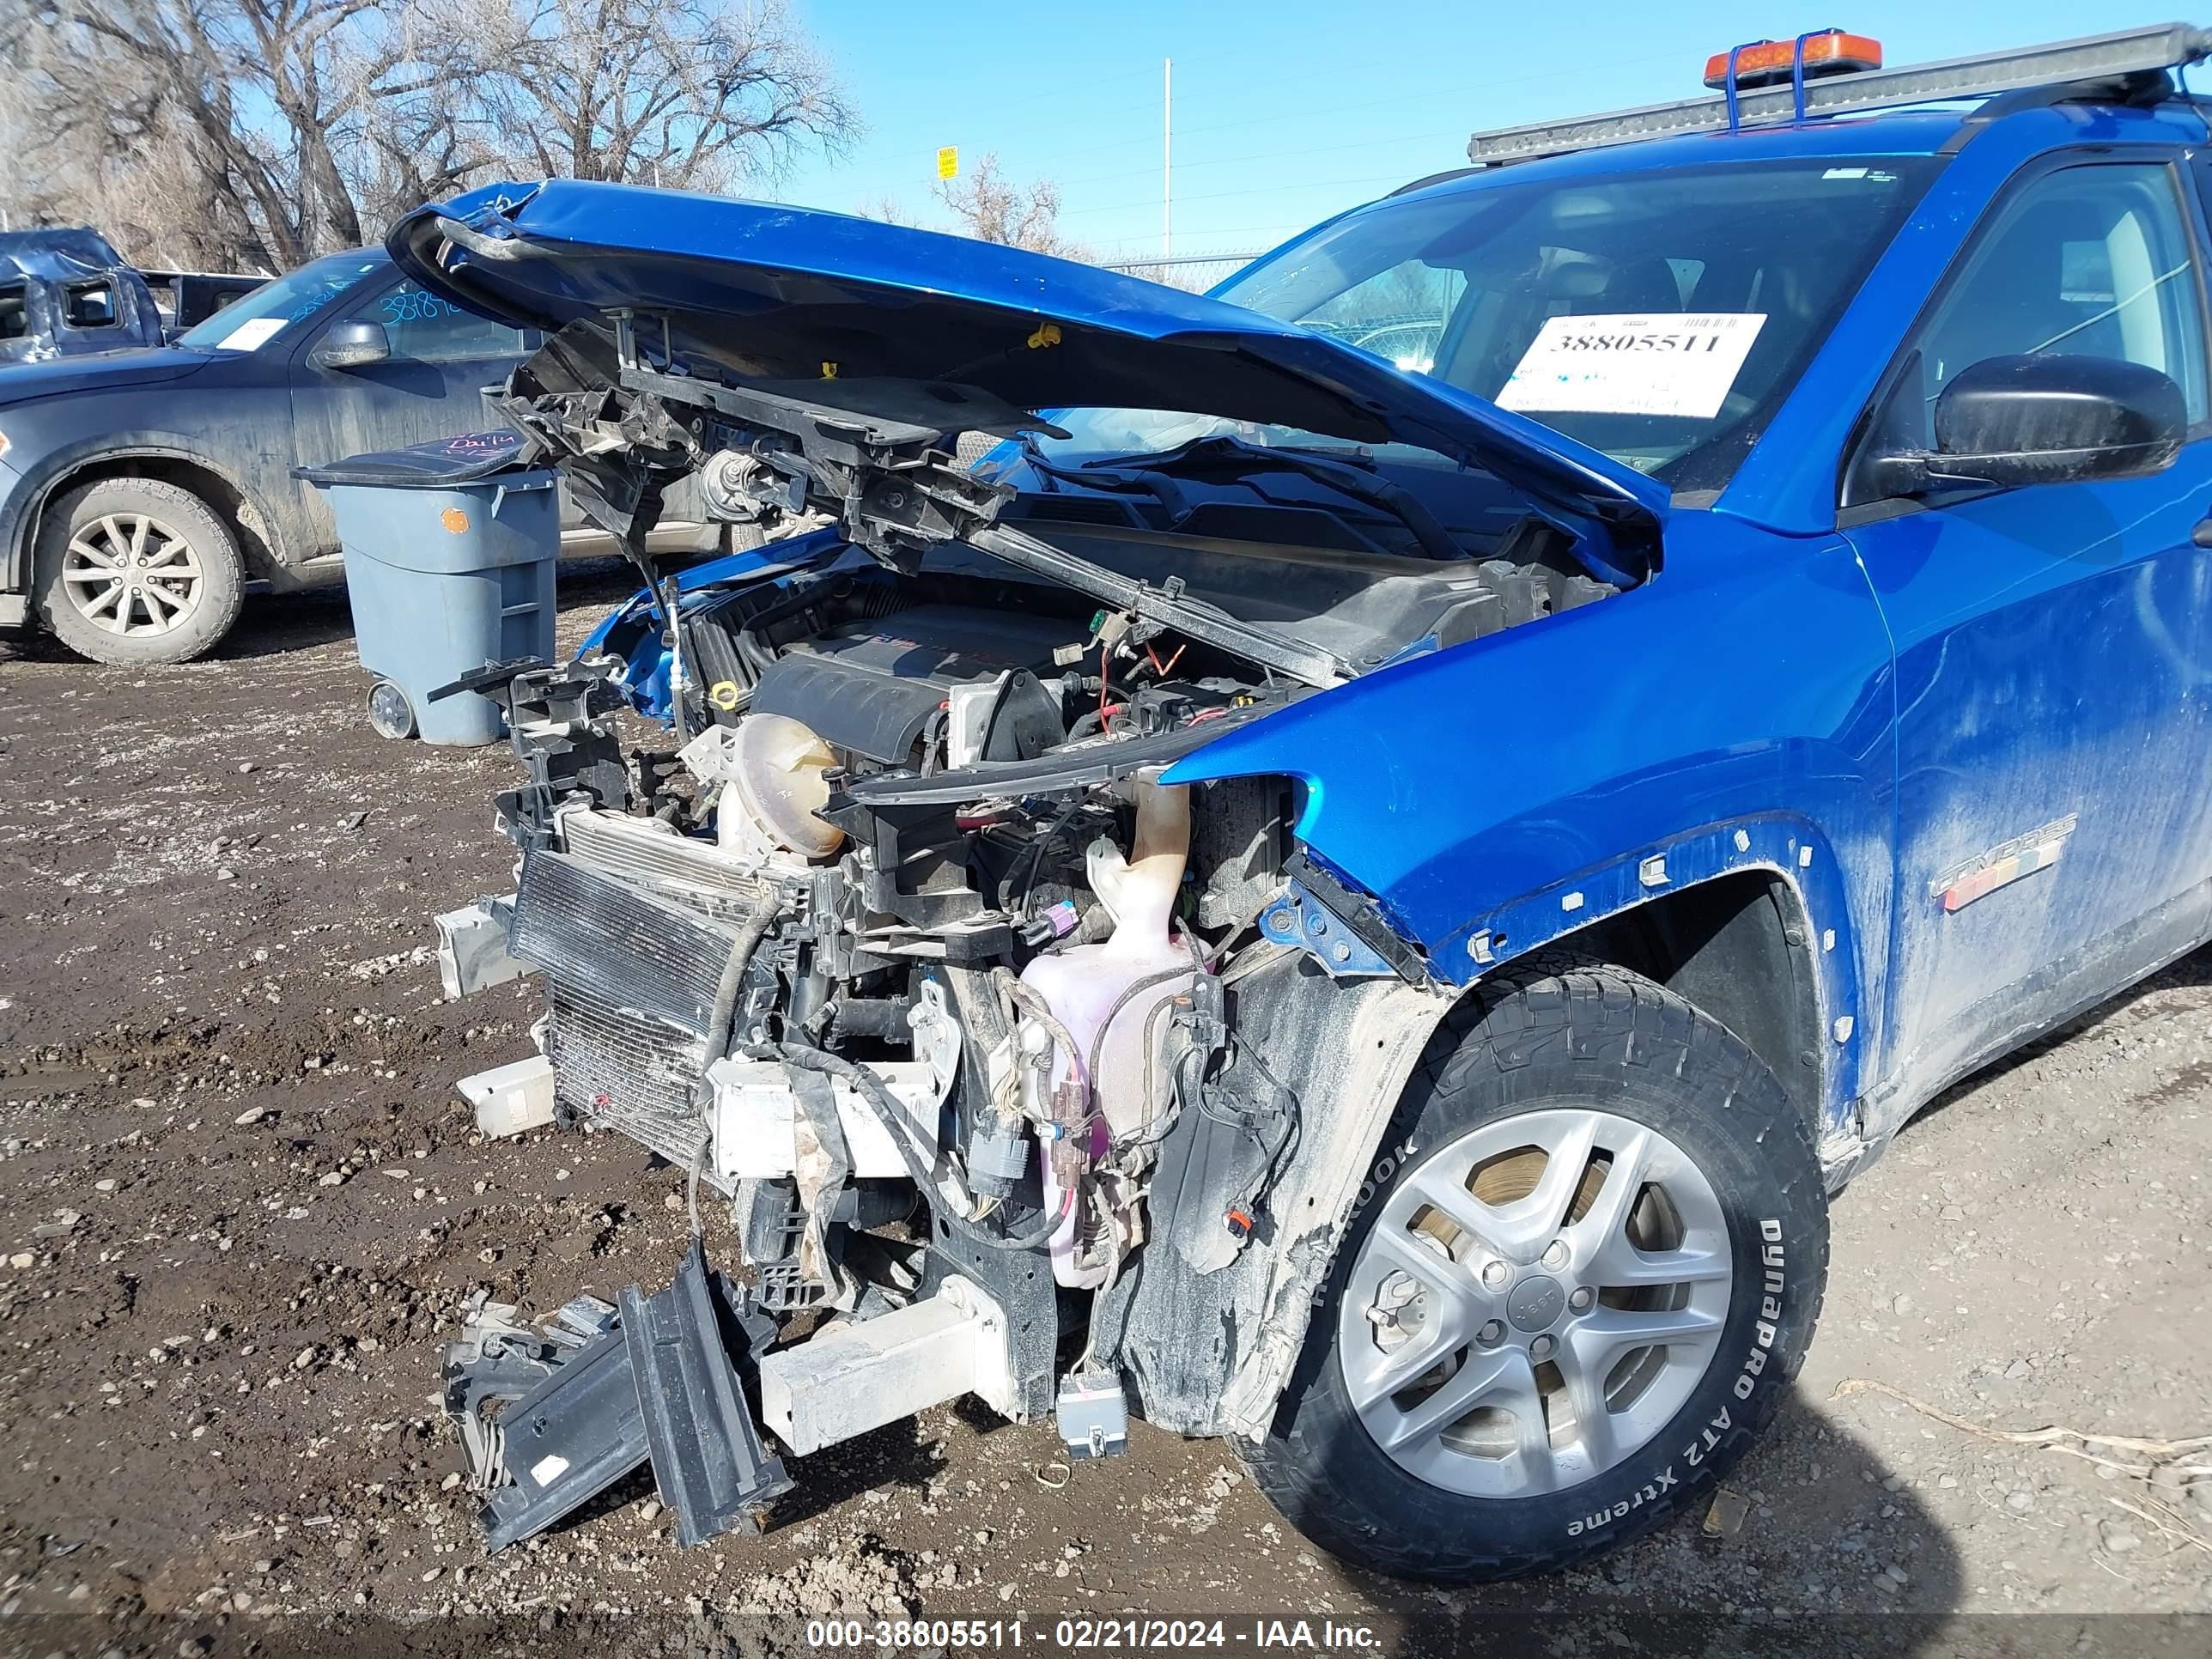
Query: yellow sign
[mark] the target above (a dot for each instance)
(948, 162)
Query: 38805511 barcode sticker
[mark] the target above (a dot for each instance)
(1633, 363)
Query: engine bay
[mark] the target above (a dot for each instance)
(891, 936)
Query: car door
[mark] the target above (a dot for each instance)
(2052, 733)
(429, 386)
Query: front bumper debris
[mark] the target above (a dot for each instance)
(551, 1417)
(472, 953)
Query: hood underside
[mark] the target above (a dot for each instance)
(859, 316)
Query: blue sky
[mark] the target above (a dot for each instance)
(1288, 110)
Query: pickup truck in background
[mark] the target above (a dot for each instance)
(186, 298)
(65, 292)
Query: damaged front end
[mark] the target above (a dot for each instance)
(1009, 1068)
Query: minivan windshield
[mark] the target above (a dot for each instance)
(1659, 317)
(254, 319)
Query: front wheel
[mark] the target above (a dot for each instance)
(1574, 1302)
(138, 571)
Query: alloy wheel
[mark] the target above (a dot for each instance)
(1534, 1303)
(131, 574)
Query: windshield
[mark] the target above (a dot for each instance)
(1659, 317)
(258, 318)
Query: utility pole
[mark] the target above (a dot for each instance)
(1167, 158)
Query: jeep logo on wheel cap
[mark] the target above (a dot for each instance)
(1535, 1304)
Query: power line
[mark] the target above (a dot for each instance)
(1579, 73)
(1250, 190)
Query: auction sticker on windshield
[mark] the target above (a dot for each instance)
(256, 331)
(1643, 363)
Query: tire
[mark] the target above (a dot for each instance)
(172, 608)
(1543, 1051)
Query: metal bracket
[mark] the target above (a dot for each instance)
(1298, 919)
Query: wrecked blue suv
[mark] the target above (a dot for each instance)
(1356, 883)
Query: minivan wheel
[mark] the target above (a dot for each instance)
(135, 571)
(1575, 1301)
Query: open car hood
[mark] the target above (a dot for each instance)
(880, 319)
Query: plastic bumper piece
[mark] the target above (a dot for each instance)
(658, 1385)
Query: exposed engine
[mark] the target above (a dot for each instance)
(904, 952)
(907, 913)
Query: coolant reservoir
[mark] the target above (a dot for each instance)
(1123, 979)
(773, 772)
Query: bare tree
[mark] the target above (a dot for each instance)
(992, 208)
(167, 207)
(698, 95)
(251, 95)
(886, 210)
(263, 132)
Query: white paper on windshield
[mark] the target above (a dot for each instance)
(247, 336)
(1639, 363)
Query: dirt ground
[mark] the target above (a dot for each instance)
(240, 1205)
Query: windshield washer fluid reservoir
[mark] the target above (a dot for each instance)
(1113, 987)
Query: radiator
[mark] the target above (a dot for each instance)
(631, 980)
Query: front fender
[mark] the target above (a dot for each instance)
(91, 442)
(1733, 713)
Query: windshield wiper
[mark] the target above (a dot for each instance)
(1167, 605)
(1252, 641)
(1223, 457)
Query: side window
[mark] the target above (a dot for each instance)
(425, 329)
(2093, 261)
(14, 311)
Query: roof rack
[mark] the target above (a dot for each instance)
(2101, 57)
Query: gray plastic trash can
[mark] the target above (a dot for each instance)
(450, 550)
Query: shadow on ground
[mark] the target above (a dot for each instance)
(1804, 1549)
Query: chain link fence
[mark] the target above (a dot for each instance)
(1195, 274)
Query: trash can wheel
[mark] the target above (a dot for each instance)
(390, 711)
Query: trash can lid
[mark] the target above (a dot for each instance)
(465, 458)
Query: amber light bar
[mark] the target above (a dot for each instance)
(1766, 63)
(2094, 57)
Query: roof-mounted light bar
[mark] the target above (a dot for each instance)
(1775, 63)
(2096, 56)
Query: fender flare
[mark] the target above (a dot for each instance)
(1787, 845)
(54, 475)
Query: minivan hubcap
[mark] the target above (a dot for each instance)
(1534, 1303)
(131, 574)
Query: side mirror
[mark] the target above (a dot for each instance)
(352, 345)
(2038, 420)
